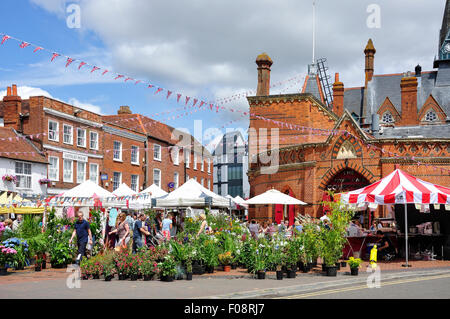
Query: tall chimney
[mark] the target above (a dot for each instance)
(369, 51)
(408, 87)
(338, 96)
(12, 107)
(124, 109)
(264, 63)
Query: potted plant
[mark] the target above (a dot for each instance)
(122, 261)
(85, 268)
(38, 264)
(354, 264)
(225, 260)
(134, 266)
(97, 268)
(167, 269)
(148, 267)
(7, 256)
(60, 254)
(44, 181)
(9, 178)
(189, 269)
(210, 254)
(109, 268)
(279, 260)
(260, 264)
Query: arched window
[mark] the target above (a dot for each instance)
(347, 150)
(431, 116)
(387, 118)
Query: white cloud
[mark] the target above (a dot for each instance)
(26, 91)
(86, 106)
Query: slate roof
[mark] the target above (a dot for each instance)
(423, 131)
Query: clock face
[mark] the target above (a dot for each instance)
(447, 48)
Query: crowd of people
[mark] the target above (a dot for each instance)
(266, 229)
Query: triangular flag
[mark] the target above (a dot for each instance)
(119, 76)
(5, 37)
(81, 64)
(104, 72)
(195, 102)
(54, 56)
(94, 69)
(24, 45)
(69, 60)
(168, 94)
(178, 97)
(158, 90)
(187, 99)
(37, 49)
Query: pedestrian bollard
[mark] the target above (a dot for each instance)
(373, 256)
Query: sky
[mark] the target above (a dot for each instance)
(204, 49)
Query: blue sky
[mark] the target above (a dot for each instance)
(203, 49)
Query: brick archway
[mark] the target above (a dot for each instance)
(332, 173)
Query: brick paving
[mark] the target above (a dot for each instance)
(29, 275)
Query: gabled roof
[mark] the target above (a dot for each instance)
(17, 144)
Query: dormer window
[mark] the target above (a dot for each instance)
(387, 118)
(431, 116)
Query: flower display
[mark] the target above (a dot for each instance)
(9, 178)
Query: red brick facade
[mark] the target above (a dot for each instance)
(309, 162)
(58, 125)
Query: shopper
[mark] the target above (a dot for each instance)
(204, 227)
(17, 222)
(83, 232)
(122, 231)
(298, 226)
(167, 225)
(254, 229)
(138, 231)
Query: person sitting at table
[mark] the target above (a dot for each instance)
(385, 248)
(354, 230)
(373, 227)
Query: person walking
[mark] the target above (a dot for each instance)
(138, 231)
(123, 231)
(17, 222)
(167, 225)
(83, 232)
(204, 227)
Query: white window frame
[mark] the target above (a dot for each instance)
(114, 179)
(160, 148)
(176, 180)
(202, 165)
(71, 171)
(137, 183)
(56, 139)
(96, 140)
(29, 177)
(55, 169)
(79, 180)
(187, 158)
(79, 129)
(71, 134)
(435, 119)
(202, 181)
(90, 172)
(117, 152)
(195, 161)
(209, 165)
(160, 176)
(134, 147)
(176, 159)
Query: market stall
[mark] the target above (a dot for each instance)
(399, 188)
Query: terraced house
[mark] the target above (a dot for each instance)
(107, 149)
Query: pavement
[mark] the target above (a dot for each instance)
(238, 284)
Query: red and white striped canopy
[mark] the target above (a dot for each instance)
(399, 188)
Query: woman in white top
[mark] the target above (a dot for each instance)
(204, 226)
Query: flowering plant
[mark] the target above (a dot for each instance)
(7, 255)
(226, 258)
(44, 181)
(21, 248)
(135, 265)
(122, 262)
(354, 262)
(148, 267)
(2, 228)
(168, 267)
(9, 178)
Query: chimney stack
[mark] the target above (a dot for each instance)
(338, 96)
(12, 107)
(264, 63)
(369, 51)
(408, 87)
(124, 109)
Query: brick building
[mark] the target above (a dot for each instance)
(405, 114)
(123, 148)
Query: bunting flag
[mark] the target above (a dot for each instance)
(187, 100)
(119, 76)
(104, 72)
(158, 90)
(150, 86)
(24, 44)
(94, 68)
(81, 64)
(127, 79)
(37, 49)
(5, 38)
(54, 56)
(69, 61)
(168, 94)
(178, 97)
(195, 102)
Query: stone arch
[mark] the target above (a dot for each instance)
(352, 141)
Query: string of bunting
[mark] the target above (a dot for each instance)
(69, 61)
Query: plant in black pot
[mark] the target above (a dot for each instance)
(167, 269)
(210, 254)
(354, 264)
(38, 264)
(108, 266)
(85, 268)
(134, 267)
(261, 256)
(278, 259)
